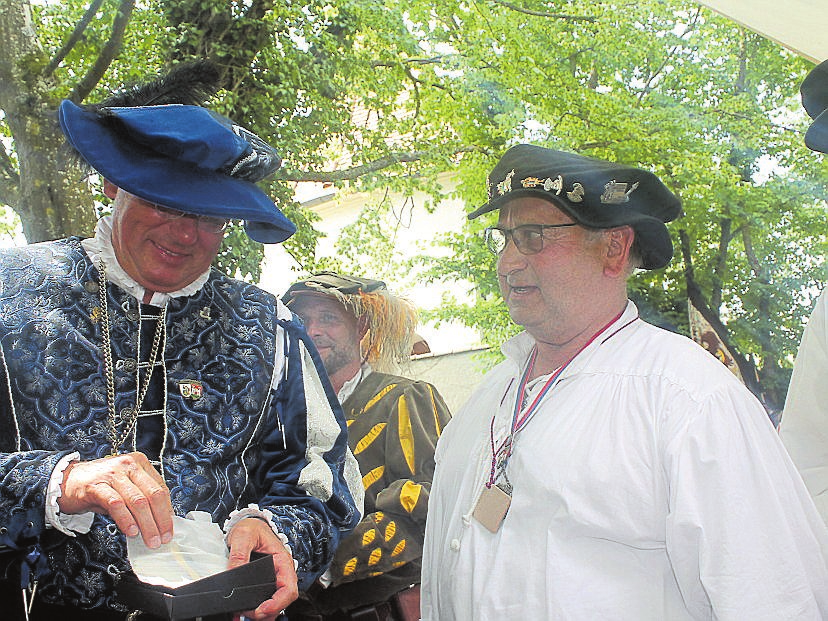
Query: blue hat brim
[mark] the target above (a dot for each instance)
(157, 178)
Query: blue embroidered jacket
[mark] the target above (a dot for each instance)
(265, 428)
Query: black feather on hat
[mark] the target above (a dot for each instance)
(192, 83)
(814, 91)
(595, 193)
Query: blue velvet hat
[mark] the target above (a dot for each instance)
(184, 157)
(814, 92)
(595, 193)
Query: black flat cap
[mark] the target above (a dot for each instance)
(331, 283)
(814, 92)
(595, 193)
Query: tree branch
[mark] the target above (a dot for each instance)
(76, 36)
(725, 226)
(107, 55)
(648, 87)
(9, 179)
(410, 61)
(416, 85)
(258, 9)
(696, 297)
(741, 78)
(755, 265)
(410, 75)
(572, 18)
(355, 172)
(763, 336)
(416, 81)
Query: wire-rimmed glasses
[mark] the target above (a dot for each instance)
(208, 224)
(528, 238)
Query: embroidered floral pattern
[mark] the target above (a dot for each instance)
(212, 446)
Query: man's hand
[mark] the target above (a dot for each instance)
(255, 535)
(126, 488)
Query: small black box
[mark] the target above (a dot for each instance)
(234, 590)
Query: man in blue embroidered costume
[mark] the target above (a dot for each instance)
(608, 469)
(360, 330)
(804, 425)
(138, 382)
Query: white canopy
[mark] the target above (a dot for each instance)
(799, 25)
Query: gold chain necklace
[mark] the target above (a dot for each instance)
(117, 438)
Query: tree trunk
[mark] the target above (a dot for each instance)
(50, 197)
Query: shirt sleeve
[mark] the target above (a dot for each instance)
(392, 534)
(67, 523)
(744, 538)
(305, 477)
(804, 426)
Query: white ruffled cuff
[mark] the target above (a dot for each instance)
(68, 524)
(253, 511)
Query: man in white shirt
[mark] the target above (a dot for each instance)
(608, 469)
(804, 426)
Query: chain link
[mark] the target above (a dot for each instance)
(116, 438)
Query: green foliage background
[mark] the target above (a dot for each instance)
(384, 96)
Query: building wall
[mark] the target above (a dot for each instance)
(414, 232)
(454, 374)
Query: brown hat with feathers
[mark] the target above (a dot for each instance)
(390, 319)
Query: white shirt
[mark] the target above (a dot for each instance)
(350, 386)
(650, 485)
(804, 426)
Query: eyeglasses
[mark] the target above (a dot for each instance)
(207, 224)
(528, 238)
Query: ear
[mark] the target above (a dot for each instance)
(110, 189)
(618, 251)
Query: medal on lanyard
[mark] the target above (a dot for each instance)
(492, 506)
(494, 501)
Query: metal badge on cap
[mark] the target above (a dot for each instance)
(547, 184)
(505, 186)
(556, 185)
(615, 192)
(577, 193)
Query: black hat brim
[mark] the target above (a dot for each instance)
(816, 138)
(330, 283)
(814, 91)
(653, 238)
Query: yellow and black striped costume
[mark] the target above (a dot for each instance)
(393, 426)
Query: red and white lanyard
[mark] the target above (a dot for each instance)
(521, 415)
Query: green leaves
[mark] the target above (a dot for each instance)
(386, 96)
